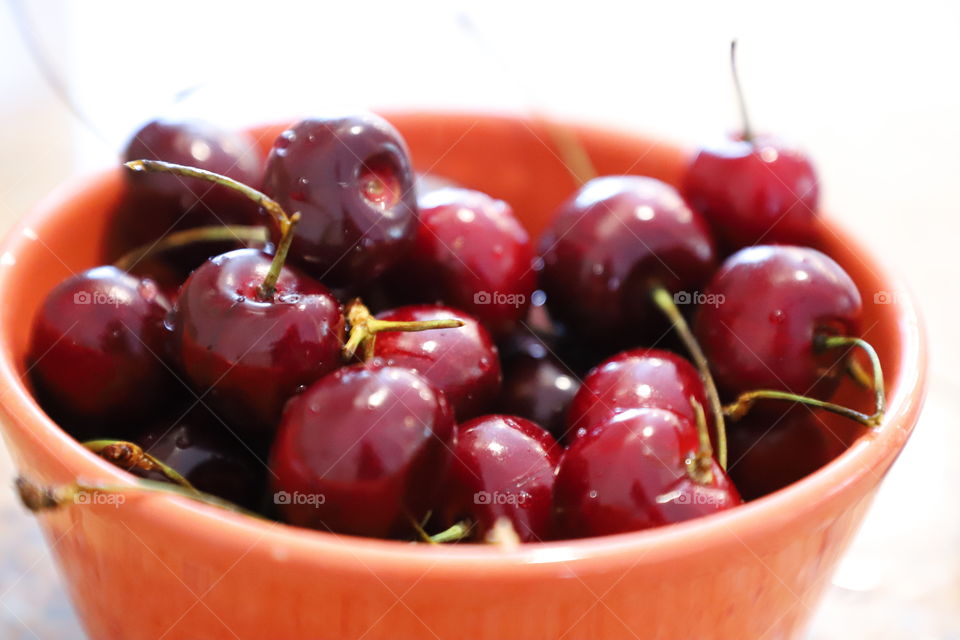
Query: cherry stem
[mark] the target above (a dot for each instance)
(128, 455)
(456, 533)
(860, 375)
(364, 328)
(699, 467)
(745, 401)
(37, 498)
(269, 285)
(572, 152)
(271, 206)
(178, 239)
(664, 300)
(745, 119)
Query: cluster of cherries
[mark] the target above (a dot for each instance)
(446, 405)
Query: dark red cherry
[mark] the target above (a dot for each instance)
(362, 451)
(462, 362)
(471, 253)
(767, 454)
(503, 467)
(537, 385)
(772, 302)
(634, 379)
(201, 145)
(155, 204)
(609, 244)
(205, 452)
(350, 179)
(96, 351)
(632, 473)
(248, 353)
(761, 190)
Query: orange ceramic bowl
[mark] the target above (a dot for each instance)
(159, 566)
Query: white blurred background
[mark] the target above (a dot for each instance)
(870, 89)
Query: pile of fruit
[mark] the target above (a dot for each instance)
(325, 338)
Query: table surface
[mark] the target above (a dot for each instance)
(886, 147)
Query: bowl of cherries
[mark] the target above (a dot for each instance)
(408, 376)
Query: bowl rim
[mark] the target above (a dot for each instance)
(868, 454)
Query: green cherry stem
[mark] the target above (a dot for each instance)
(178, 239)
(744, 118)
(270, 205)
(745, 401)
(699, 466)
(364, 328)
(269, 285)
(456, 533)
(128, 455)
(664, 301)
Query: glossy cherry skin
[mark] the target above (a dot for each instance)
(97, 351)
(772, 301)
(249, 355)
(362, 451)
(752, 192)
(767, 454)
(209, 455)
(537, 385)
(471, 253)
(502, 467)
(463, 362)
(630, 474)
(609, 244)
(634, 379)
(351, 181)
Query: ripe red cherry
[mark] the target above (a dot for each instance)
(199, 447)
(773, 302)
(351, 181)
(462, 362)
(362, 451)
(96, 351)
(752, 191)
(634, 379)
(503, 467)
(155, 204)
(768, 454)
(633, 473)
(252, 353)
(608, 245)
(471, 253)
(537, 385)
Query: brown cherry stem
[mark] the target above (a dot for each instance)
(744, 118)
(37, 498)
(745, 401)
(128, 455)
(664, 301)
(269, 285)
(178, 239)
(699, 466)
(364, 328)
(271, 206)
